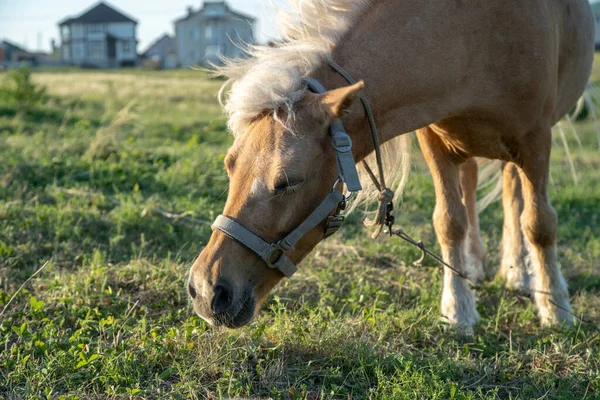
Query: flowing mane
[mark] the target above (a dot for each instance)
(271, 78)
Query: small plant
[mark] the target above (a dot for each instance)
(19, 89)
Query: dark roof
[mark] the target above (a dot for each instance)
(5, 43)
(100, 13)
(227, 9)
(161, 44)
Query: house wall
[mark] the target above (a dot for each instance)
(180, 44)
(122, 29)
(125, 31)
(78, 31)
(190, 40)
(78, 51)
(170, 61)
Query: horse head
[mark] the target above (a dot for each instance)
(279, 174)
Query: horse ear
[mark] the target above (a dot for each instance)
(337, 101)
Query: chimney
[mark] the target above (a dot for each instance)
(190, 10)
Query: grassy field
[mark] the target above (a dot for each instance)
(111, 186)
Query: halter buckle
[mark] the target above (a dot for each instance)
(274, 255)
(336, 220)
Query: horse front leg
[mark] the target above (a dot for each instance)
(451, 225)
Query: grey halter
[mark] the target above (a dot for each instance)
(274, 254)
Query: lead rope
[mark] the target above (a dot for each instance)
(384, 217)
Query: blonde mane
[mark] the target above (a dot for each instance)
(271, 78)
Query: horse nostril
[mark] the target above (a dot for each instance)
(223, 298)
(191, 290)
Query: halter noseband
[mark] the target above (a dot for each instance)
(274, 254)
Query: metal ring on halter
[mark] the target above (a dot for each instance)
(337, 182)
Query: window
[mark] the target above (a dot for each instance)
(96, 50)
(78, 51)
(95, 28)
(66, 32)
(194, 33)
(77, 31)
(126, 47)
(213, 50)
(66, 52)
(209, 31)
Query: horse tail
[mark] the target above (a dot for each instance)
(587, 108)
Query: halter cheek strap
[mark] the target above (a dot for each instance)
(341, 143)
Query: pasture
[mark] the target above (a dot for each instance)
(111, 186)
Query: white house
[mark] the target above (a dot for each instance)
(214, 30)
(99, 37)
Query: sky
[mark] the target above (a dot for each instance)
(33, 23)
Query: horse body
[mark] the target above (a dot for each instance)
(484, 79)
(489, 70)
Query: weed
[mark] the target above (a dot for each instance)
(19, 89)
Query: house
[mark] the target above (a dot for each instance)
(10, 52)
(12, 55)
(161, 53)
(7, 49)
(99, 37)
(215, 30)
(596, 11)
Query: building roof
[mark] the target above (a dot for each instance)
(238, 14)
(5, 43)
(100, 13)
(163, 44)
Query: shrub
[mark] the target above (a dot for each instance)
(20, 90)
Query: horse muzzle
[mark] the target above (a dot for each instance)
(223, 304)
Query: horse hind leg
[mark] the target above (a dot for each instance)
(451, 224)
(539, 224)
(475, 250)
(515, 256)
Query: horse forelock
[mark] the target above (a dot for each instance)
(271, 78)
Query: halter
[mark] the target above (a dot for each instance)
(274, 254)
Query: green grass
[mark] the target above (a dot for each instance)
(86, 185)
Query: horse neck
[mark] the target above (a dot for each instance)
(400, 87)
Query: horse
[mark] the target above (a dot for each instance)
(473, 79)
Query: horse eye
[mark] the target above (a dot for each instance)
(286, 187)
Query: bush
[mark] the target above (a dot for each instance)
(19, 89)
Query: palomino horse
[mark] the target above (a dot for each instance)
(473, 78)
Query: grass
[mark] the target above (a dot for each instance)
(111, 185)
